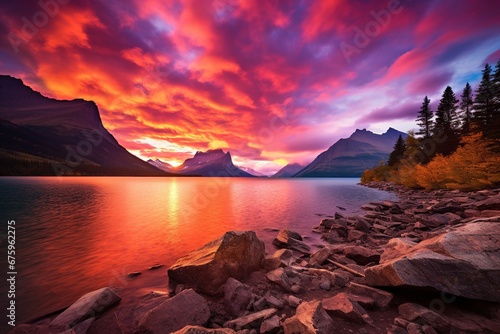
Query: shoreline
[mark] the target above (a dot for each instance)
(356, 243)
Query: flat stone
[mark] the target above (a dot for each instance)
(270, 326)
(310, 318)
(382, 298)
(492, 203)
(279, 277)
(341, 306)
(89, 305)
(203, 330)
(235, 254)
(320, 256)
(291, 240)
(417, 313)
(186, 308)
(361, 255)
(395, 247)
(253, 320)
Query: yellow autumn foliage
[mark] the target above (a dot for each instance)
(472, 166)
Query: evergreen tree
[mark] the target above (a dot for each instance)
(424, 119)
(483, 103)
(493, 129)
(446, 114)
(447, 122)
(398, 153)
(466, 105)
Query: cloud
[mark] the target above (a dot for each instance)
(266, 80)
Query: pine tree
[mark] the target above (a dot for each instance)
(424, 119)
(483, 103)
(493, 129)
(447, 123)
(466, 105)
(398, 153)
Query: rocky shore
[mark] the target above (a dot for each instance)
(427, 263)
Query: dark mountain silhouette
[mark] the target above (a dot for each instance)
(350, 157)
(44, 136)
(289, 170)
(210, 163)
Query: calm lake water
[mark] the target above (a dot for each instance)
(77, 234)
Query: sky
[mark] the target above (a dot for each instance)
(273, 81)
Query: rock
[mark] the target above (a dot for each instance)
(280, 258)
(271, 325)
(417, 313)
(396, 330)
(134, 274)
(235, 254)
(279, 277)
(464, 261)
(291, 240)
(341, 306)
(273, 301)
(370, 207)
(41, 329)
(253, 320)
(325, 284)
(382, 298)
(186, 308)
(89, 305)
(414, 328)
(260, 304)
(395, 247)
(156, 266)
(354, 235)
(203, 330)
(361, 255)
(237, 297)
(439, 219)
(293, 301)
(309, 318)
(492, 203)
(362, 225)
(426, 329)
(84, 326)
(320, 256)
(364, 301)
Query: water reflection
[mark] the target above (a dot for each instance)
(78, 234)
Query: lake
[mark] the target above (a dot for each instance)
(78, 234)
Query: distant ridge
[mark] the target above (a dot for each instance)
(211, 163)
(44, 136)
(350, 157)
(289, 170)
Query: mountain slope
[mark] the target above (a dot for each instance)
(164, 166)
(289, 170)
(350, 157)
(210, 163)
(66, 135)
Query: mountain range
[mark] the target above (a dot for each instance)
(45, 136)
(350, 157)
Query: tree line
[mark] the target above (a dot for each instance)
(455, 146)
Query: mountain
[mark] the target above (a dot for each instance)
(44, 136)
(252, 171)
(164, 166)
(350, 157)
(210, 163)
(289, 170)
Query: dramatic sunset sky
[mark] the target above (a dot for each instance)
(272, 81)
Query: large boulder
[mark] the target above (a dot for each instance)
(464, 261)
(89, 305)
(235, 254)
(186, 308)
